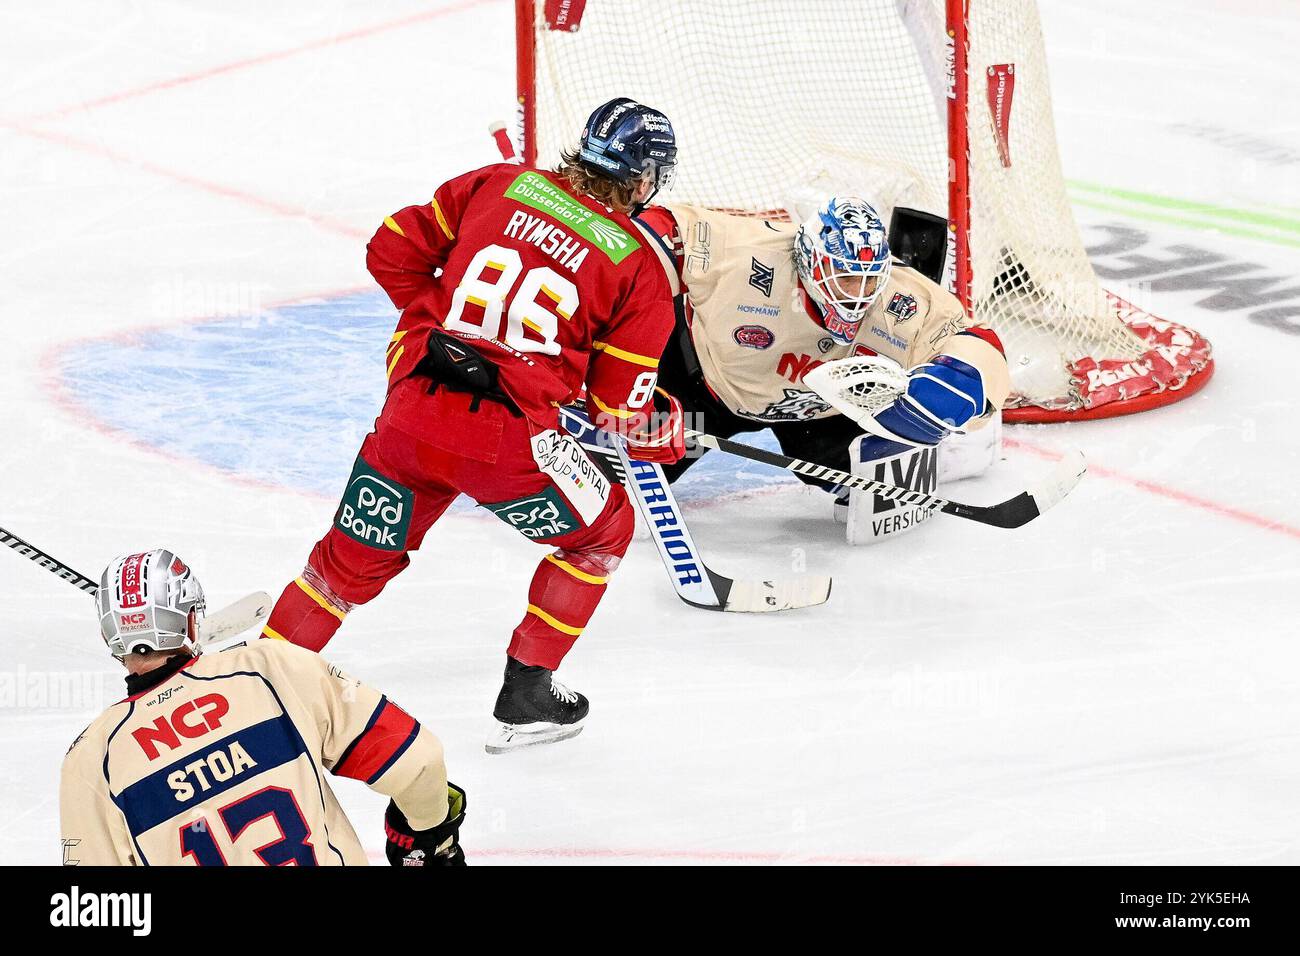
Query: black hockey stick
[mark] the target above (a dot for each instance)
(694, 582)
(54, 566)
(233, 619)
(1012, 513)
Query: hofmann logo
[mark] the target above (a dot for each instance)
(533, 189)
(539, 516)
(375, 510)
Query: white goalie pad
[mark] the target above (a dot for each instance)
(970, 454)
(873, 518)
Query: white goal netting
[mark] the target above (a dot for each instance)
(777, 104)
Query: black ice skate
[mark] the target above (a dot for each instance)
(534, 708)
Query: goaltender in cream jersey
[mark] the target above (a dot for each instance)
(755, 335)
(225, 763)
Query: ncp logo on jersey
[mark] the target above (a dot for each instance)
(190, 720)
(375, 510)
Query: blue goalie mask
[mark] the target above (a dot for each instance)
(842, 256)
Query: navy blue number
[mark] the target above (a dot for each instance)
(279, 804)
(274, 802)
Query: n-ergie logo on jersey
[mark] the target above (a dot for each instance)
(375, 510)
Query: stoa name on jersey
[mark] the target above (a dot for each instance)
(550, 238)
(190, 720)
(218, 766)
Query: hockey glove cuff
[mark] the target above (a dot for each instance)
(437, 846)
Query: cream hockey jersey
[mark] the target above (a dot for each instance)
(755, 334)
(226, 763)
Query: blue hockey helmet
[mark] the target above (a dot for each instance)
(842, 255)
(625, 140)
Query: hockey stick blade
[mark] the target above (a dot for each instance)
(233, 619)
(693, 581)
(648, 487)
(1012, 513)
(785, 594)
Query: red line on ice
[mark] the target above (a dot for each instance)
(718, 856)
(217, 189)
(1166, 491)
(260, 59)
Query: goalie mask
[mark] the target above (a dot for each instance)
(150, 601)
(842, 256)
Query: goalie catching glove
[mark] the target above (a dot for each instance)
(437, 846)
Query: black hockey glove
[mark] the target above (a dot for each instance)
(438, 846)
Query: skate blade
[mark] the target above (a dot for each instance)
(510, 737)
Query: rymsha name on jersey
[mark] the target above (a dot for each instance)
(547, 236)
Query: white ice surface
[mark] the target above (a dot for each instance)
(1116, 682)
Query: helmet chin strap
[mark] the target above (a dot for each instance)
(639, 207)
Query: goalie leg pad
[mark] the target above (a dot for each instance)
(873, 518)
(971, 454)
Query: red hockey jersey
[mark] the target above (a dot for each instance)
(556, 289)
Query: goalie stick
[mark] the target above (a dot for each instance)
(246, 613)
(694, 582)
(1012, 513)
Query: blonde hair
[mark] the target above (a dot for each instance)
(605, 189)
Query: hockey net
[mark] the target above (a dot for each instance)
(779, 103)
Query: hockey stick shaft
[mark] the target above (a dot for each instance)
(230, 620)
(1012, 513)
(53, 565)
(645, 482)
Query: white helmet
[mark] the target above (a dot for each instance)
(150, 601)
(842, 255)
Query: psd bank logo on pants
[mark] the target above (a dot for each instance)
(375, 510)
(543, 515)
